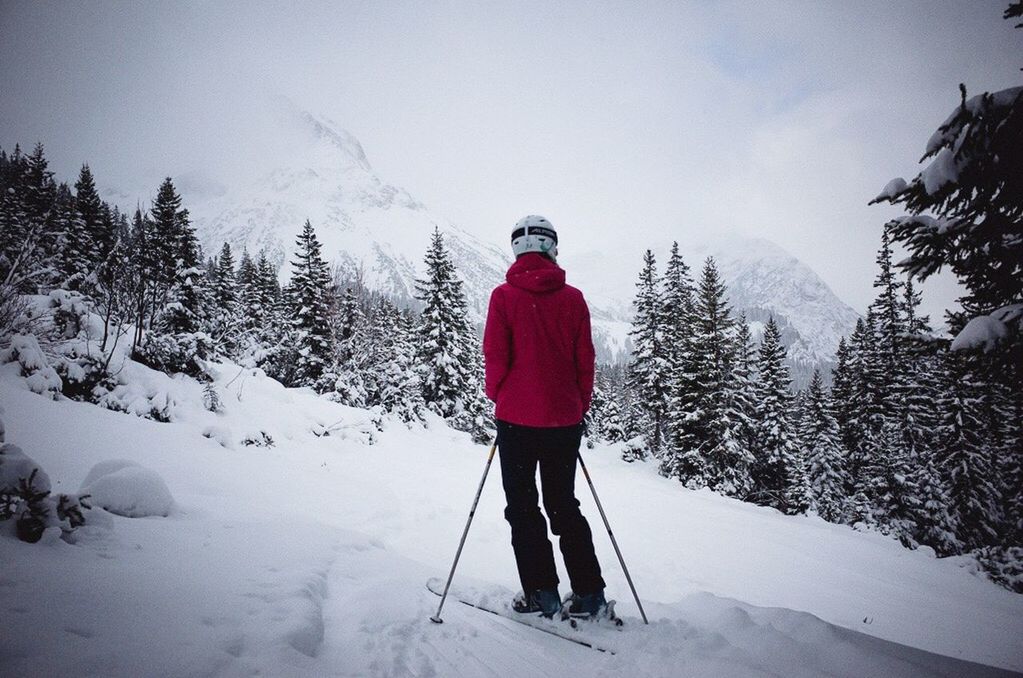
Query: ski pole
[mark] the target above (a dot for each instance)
(436, 618)
(614, 542)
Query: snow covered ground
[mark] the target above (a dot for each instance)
(310, 558)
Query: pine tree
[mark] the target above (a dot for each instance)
(776, 467)
(79, 255)
(612, 393)
(917, 390)
(648, 369)
(963, 456)
(224, 315)
(825, 462)
(178, 280)
(887, 308)
(399, 387)
(356, 335)
(36, 237)
(711, 424)
(841, 396)
(735, 474)
(99, 228)
(70, 257)
(595, 418)
(268, 301)
(251, 314)
(308, 300)
(679, 328)
(976, 209)
(868, 413)
(937, 527)
(88, 239)
(446, 361)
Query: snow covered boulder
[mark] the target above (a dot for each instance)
(127, 489)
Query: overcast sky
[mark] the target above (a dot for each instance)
(632, 120)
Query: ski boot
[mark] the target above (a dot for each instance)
(591, 606)
(545, 601)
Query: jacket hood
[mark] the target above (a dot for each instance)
(536, 273)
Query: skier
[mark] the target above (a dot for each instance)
(539, 372)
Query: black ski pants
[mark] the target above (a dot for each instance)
(522, 448)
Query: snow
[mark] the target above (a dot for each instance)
(40, 376)
(130, 491)
(310, 557)
(891, 189)
(985, 331)
(941, 172)
(105, 468)
(16, 466)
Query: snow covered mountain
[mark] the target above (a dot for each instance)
(763, 280)
(375, 232)
(378, 233)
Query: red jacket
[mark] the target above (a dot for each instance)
(537, 347)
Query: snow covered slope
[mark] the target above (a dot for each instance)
(379, 233)
(310, 558)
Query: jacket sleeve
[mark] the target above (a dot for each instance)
(584, 358)
(496, 346)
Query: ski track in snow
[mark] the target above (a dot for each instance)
(310, 558)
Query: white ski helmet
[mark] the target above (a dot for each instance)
(534, 234)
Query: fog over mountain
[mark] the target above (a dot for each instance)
(377, 234)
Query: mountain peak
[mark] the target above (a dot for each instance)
(327, 132)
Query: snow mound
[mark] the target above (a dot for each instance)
(105, 468)
(16, 466)
(129, 490)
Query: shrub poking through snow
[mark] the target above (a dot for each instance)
(127, 489)
(211, 399)
(261, 439)
(25, 496)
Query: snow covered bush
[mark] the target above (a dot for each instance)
(133, 398)
(70, 311)
(1003, 564)
(635, 450)
(127, 489)
(25, 496)
(41, 377)
(84, 377)
(175, 353)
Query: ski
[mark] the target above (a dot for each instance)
(553, 627)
